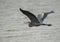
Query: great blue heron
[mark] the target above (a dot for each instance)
(36, 21)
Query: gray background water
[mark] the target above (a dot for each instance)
(14, 26)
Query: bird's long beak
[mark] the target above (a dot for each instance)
(26, 22)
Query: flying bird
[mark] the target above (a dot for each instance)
(36, 21)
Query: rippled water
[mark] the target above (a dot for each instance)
(14, 26)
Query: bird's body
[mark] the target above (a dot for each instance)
(34, 20)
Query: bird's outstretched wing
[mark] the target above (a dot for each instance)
(46, 14)
(39, 18)
(31, 16)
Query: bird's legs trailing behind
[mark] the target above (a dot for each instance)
(41, 19)
(45, 15)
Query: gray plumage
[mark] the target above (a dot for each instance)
(35, 21)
